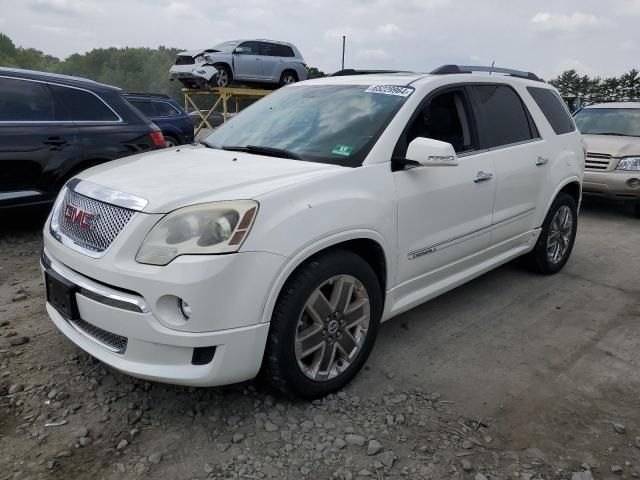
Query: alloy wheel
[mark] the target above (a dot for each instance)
(560, 232)
(288, 79)
(222, 78)
(332, 328)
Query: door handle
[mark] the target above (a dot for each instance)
(55, 141)
(541, 161)
(483, 177)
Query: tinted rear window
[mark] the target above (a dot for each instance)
(82, 106)
(553, 108)
(281, 51)
(24, 101)
(504, 118)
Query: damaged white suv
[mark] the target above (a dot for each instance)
(278, 245)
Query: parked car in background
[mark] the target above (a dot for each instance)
(259, 61)
(611, 132)
(54, 126)
(282, 241)
(171, 119)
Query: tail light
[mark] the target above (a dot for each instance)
(305, 66)
(158, 139)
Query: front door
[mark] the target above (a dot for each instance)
(444, 213)
(247, 62)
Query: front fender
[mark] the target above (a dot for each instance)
(311, 249)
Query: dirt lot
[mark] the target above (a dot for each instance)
(510, 376)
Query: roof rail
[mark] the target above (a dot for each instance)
(142, 94)
(451, 69)
(352, 71)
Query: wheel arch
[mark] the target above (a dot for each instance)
(572, 186)
(226, 64)
(367, 244)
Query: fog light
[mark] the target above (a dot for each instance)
(185, 309)
(633, 183)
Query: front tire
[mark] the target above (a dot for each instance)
(323, 326)
(224, 77)
(557, 237)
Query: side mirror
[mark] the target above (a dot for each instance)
(431, 153)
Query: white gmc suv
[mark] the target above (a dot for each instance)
(279, 244)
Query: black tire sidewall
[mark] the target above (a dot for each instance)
(284, 74)
(295, 293)
(540, 252)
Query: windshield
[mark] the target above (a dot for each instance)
(226, 47)
(335, 124)
(609, 121)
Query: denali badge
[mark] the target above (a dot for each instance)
(77, 215)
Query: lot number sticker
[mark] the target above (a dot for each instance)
(390, 90)
(344, 150)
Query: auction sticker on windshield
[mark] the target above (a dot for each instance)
(344, 150)
(390, 90)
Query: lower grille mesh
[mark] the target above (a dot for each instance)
(115, 343)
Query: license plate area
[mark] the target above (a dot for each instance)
(61, 294)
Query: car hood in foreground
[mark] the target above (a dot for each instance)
(616, 146)
(183, 176)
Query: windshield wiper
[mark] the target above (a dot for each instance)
(208, 145)
(614, 133)
(258, 150)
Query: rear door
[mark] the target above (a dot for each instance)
(270, 62)
(247, 65)
(34, 144)
(510, 138)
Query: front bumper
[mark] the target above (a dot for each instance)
(193, 71)
(614, 185)
(124, 303)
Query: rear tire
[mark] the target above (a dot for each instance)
(557, 237)
(287, 78)
(323, 326)
(170, 141)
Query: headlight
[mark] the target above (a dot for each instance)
(218, 227)
(629, 163)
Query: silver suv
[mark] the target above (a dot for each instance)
(261, 61)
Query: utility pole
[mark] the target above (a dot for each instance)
(344, 39)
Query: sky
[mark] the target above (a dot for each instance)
(594, 37)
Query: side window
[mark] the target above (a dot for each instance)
(24, 101)
(444, 117)
(267, 49)
(282, 51)
(82, 106)
(145, 107)
(553, 108)
(165, 109)
(250, 48)
(503, 117)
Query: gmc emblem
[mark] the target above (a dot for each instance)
(77, 215)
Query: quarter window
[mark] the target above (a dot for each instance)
(553, 108)
(81, 106)
(503, 117)
(24, 101)
(281, 50)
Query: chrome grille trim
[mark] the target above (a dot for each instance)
(111, 341)
(597, 161)
(108, 222)
(107, 195)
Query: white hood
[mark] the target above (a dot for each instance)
(187, 175)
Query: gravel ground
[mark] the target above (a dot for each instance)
(510, 376)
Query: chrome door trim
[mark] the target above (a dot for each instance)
(19, 194)
(107, 195)
(98, 294)
(421, 252)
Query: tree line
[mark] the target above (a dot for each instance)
(132, 69)
(595, 89)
